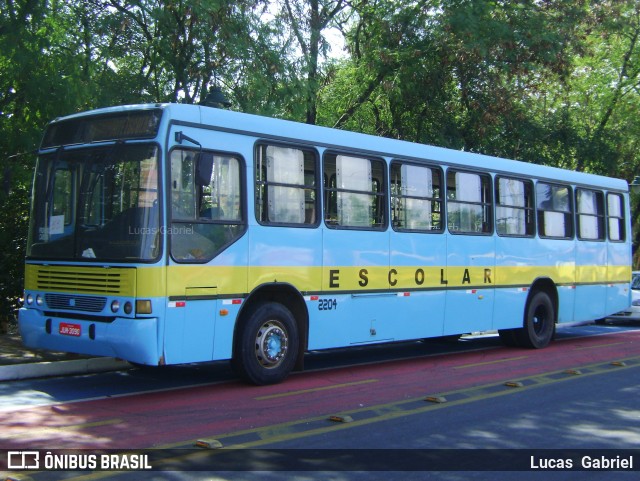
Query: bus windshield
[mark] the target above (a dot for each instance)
(96, 204)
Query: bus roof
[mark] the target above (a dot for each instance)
(289, 131)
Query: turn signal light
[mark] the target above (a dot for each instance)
(143, 306)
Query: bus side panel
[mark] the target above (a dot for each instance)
(329, 318)
(420, 315)
(343, 319)
(619, 276)
(285, 255)
(189, 331)
(591, 281)
(418, 261)
(618, 298)
(471, 289)
(227, 314)
(515, 271)
(555, 259)
(509, 307)
(358, 262)
(193, 305)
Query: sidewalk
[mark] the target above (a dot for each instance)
(20, 362)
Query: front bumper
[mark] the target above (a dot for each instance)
(131, 339)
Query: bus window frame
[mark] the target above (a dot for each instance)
(622, 220)
(382, 197)
(244, 223)
(601, 217)
(571, 213)
(531, 211)
(317, 188)
(487, 206)
(441, 199)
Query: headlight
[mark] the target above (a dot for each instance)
(39, 300)
(115, 306)
(29, 299)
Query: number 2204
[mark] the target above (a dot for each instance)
(327, 304)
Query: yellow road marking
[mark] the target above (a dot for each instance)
(388, 411)
(316, 389)
(106, 422)
(465, 366)
(598, 345)
(394, 410)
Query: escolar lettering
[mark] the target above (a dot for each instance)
(419, 277)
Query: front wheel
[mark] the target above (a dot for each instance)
(539, 322)
(267, 345)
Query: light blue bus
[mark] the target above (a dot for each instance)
(166, 234)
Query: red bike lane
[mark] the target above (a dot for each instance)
(179, 417)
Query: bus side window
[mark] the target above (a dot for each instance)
(355, 194)
(590, 208)
(555, 211)
(416, 197)
(286, 186)
(514, 207)
(206, 204)
(183, 197)
(615, 216)
(469, 203)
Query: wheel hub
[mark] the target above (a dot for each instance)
(271, 344)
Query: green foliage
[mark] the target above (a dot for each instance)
(552, 81)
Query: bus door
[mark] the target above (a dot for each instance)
(190, 322)
(469, 279)
(206, 223)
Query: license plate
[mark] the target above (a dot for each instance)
(68, 329)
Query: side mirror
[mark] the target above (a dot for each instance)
(204, 168)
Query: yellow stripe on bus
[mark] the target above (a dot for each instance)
(149, 281)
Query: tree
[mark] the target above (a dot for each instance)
(551, 81)
(306, 20)
(607, 86)
(176, 50)
(459, 73)
(38, 81)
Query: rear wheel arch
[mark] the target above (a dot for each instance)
(546, 285)
(538, 319)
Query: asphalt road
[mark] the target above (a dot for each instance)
(394, 409)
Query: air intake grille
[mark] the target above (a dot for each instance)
(82, 280)
(75, 303)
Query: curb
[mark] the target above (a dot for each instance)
(33, 370)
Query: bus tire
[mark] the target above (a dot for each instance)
(539, 322)
(267, 345)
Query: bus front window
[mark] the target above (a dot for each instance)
(97, 204)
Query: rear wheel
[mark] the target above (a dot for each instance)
(539, 322)
(267, 345)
